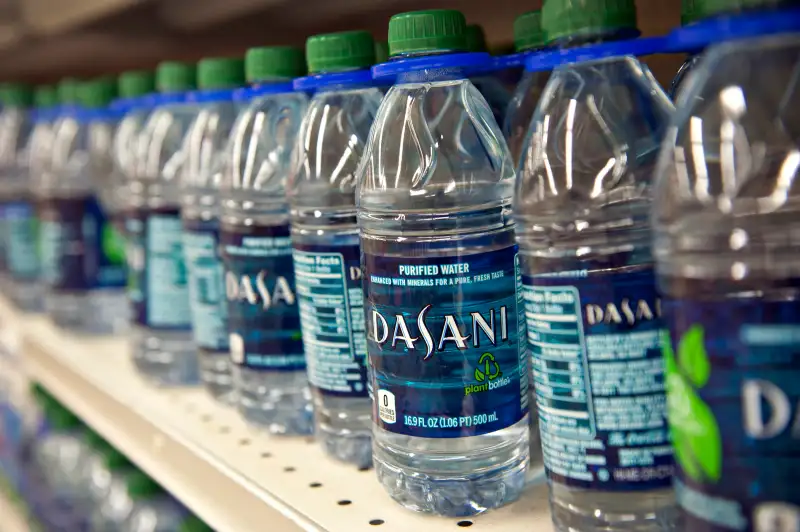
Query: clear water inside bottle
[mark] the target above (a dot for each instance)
(436, 181)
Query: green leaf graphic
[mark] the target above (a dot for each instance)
(113, 245)
(692, 356)
(693, 428)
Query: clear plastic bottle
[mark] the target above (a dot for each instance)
(327, 258)
(154, 510)
(698, 11)
(162, 345)
(59, 454)
(83, 257)
(205, 147)
(16, 198)
(725, 215)
(116, 508)
(445, 324)
(581, 207)
(263, 319)
(100, 469)
(562, 24)
(134, 105)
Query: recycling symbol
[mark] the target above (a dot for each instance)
(491, 369)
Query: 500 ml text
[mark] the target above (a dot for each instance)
(447, 422)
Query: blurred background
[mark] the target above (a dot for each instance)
(44, 40)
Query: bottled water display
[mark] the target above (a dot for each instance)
(17, 208)
(725, 212)
(58, 455)
(134, 105)
(327, 260)
(445, 322)
(24, 262)
(582, 207)
(205, 149)
(158, 290)
(83, 256)
(263, 319)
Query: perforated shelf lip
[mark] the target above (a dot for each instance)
(233, 477)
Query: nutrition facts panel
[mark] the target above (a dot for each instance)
(331, 335)
(561, 372)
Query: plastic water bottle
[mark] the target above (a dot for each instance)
(83, 259)
(100, 469)
(38, 155)
(205, 148)
(59, 454)
(134, 105)
(18, 207)
(724, 217)
(154, 510)
(263, 319)
(162, 345)
(560, 24)
(488, 83)
(327, 258)
(445, 323)
(113, 512)
(582, 206)
(703, 11)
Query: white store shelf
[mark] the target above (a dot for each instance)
(12, 518)
(236, 479)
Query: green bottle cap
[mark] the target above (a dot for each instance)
(17, 95)
(176, 76)
(568, 18)
(68, 91)
(692, 10)
(140, 486)
(381, 51)
(136, 83)
(194, 524)
(432, 30)
(97, 93)
(335, 52)
(45, 96)
(220, 73)
(528, 33)
(274, 62)
(476, 38)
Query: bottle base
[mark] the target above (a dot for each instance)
(346, 446)
(215, 372)
(576, 510)
(28, 296)
(452, 496)
(165, 358)
(96, 312)
(275, 401)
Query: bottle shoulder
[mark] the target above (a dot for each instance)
(436, 144)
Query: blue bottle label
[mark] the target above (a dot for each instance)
(733, 369)
(263, 318)
(79, 247)
(331, 299)
(22, 225)
(599, 378)
(206, 284)
(157, 284)
(446, 343)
